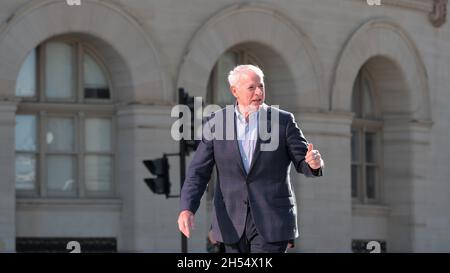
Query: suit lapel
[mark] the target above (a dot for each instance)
(235, 145)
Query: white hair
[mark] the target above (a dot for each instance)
(235, 74)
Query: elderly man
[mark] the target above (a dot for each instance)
(254, 206)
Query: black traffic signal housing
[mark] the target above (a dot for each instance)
(185, 99)
(160, 168)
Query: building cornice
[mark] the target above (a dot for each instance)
(435, 9)
(420, 5)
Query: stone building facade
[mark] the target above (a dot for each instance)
(368, 84)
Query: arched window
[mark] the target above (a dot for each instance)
(64, 123)
(218, 88)
(366, 146)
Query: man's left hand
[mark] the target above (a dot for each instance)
(313, 158)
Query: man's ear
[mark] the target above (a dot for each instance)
(233, 91)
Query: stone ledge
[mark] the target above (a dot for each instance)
(54, 203)
(370, 210)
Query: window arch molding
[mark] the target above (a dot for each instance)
(65, 146)
(397, 46)
(31, 25)
(218, 34)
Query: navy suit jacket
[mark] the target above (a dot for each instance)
(266, 188)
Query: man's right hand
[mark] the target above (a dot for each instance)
(186, 222)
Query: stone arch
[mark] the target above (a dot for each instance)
(401, 85)
(382, 38)
(132, 59)
(254, 23)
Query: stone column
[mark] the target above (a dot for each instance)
(407, 178)
(324, 213)
(7, 180)
(149, 221)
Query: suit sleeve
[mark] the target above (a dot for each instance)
(198, 175)
(297, 147)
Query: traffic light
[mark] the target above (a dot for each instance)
(160, 168)
(189, 101)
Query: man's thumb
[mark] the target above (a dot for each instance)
(310, 147)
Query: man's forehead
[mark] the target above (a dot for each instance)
(249, 75)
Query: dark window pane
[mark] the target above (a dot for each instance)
(355, 180)
(371, 178)
(370, 147)
(96, 93)
(98, 173)
(362, 100)
(25, 172)
(356, 101)
(95, 83)
(59, 68)
(367, 98)
(98, 135)
(27, 81)
(355, 146)
(60, 174)
(361, 246)
(60, 245)
(26, 133)
(60, 135)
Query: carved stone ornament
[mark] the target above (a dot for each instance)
(439, 14)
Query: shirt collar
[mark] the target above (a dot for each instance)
(240, 116)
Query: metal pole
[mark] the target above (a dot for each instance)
(184, 246)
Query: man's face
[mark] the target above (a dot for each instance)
(249, 91)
